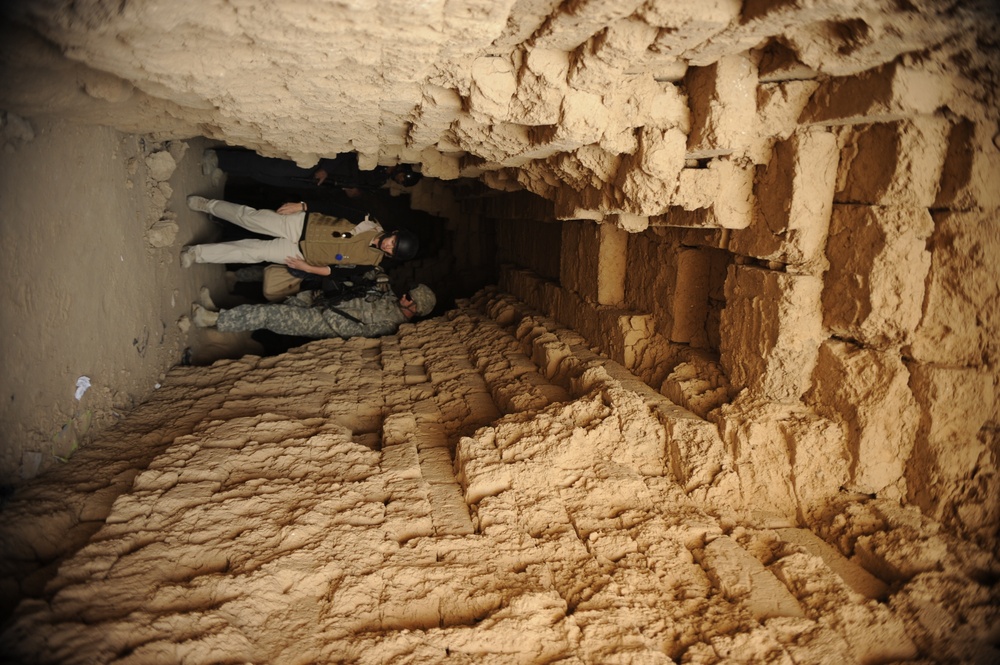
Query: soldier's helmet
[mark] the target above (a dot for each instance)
(410, 178)
(406, 176)
(406, 245)
(423, 298)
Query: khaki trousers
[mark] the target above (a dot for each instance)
(286, 230)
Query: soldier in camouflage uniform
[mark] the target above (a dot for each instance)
(377, 313)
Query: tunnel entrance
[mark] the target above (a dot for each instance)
(454, 257)
(457, 242)
(469, 234)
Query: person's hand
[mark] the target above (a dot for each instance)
(320, 175)
(408, 307)
(291, 208)
(298, 263)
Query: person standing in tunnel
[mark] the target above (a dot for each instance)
(309, 242)
(308, 314)
(341, 171)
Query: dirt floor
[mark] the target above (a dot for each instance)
(93, 287)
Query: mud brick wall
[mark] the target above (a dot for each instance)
(768, 302)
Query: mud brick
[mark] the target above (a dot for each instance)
(541, 86)
(690, 301)
(949, 472)
(971, 170)
(896, 163)
(695, 452)
(892, 92)
(642, 177)
(398, 428)
(955, 403)
(960, 324)
(401, 460)
(775, 329)
(790, 459)
(860, 386)
(728, 186)
(696, 188)
(493, 84)
(856, 577)
(628, 222)
(878, 263)
(480, 470)
(601, 281)
(733, 208)
(414, 374)
(723, 102)
(779, 106)
(597, 64)
(437, 110)
(465, 22)
(688, 24)
(779, 64)
(573, 24)
(449, 513)
(794, 201)
(436, 466)
(742, 578)
(408, 510)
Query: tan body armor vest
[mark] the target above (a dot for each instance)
(331, 241)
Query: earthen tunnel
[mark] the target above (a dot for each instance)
(716, 378)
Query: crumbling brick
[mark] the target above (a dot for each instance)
(892, 92)
(794, 199)
(960, 324)
(897, 163)
(878, 261)
(773, 323)
(723, 100)
(971, 170)
(955, 404)
(859, 387)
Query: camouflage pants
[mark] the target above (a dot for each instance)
(285, 319)
(254, 273)
(296, 316)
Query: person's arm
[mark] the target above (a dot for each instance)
(334, 206)
(339, 272)
(332, 209)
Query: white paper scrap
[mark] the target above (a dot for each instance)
(81, 386)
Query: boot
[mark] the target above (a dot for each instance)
(205, 299)
(187, 257)
(198, 203)
(209, 162)
(202, 317)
